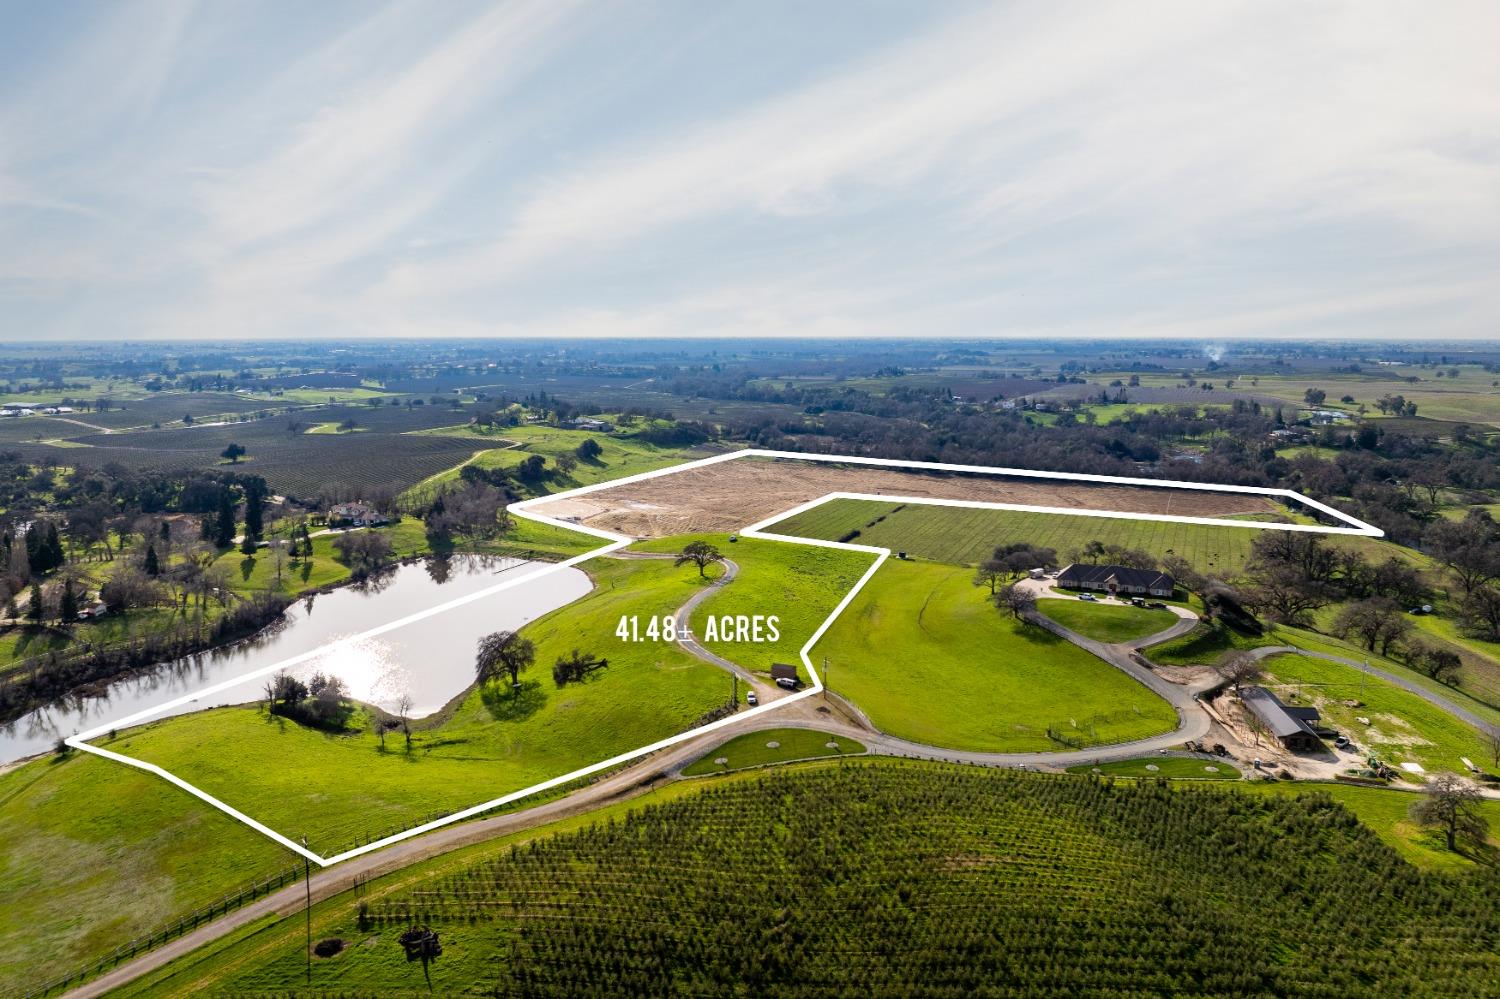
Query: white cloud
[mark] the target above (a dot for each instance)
(1231, 168)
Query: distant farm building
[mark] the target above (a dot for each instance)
(1292, 726)
(1114, 579)
(356, 515)
(587, 423)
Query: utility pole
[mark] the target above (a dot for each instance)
(307, 881)
(825, 679)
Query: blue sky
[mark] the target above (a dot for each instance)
(239, 169)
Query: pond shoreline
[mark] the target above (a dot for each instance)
(423, 658)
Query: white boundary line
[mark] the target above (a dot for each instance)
(757, 530)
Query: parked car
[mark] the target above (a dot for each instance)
(1086, 596)
(1157, 605)
(751, 699)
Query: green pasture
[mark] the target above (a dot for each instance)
(1175, 767)
(342, 789)
(799, 584)
(1106, 622)
(620, 455)
(1403, 727)
(928, 658)
(754, 749)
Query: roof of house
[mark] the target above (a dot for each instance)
(1151, 579)
(1280, 719)
(781, 671)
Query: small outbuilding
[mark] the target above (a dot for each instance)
(785, 675)
(1292, 726)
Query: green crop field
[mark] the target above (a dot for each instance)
(1175, 767)
(1107, 622)
(925, 655)
(341, 789)
(966, 537)
(756, 749)
(983, 876)
(1403, 727)
(800, 584)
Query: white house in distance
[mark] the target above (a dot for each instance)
(356, 515)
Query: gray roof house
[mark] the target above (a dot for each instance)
(1292, 726)
(1116, 579)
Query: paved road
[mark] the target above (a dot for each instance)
(1410, 686)
(342, 877)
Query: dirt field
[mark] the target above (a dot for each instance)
(733, 494)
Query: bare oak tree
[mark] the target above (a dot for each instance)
(1451, 804)
(503, 652)
(700, 553)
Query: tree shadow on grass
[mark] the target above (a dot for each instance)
(247, 567)
(507, 703)
(1037, 635)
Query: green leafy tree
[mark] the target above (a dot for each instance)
(255, 507)
(153, 564)
(34, 609)
(68, 606)
(234, 453)
(224, 524)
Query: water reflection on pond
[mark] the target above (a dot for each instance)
(431, 660)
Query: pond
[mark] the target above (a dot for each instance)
(431, 660)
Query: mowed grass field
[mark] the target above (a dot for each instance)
(756, 749)
(1106, 622)
(95, 854)
(925, 655)
(967, 537)
(1403, 727)
(1175, 767)
(799, 584)
(342, 789)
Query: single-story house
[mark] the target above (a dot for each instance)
(784, 674)
(588, 423)
(356, 515)
(1114, 579)
(1292, 726)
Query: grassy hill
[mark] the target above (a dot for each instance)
(620, 455)
(906, 880)
(341, 789)
(1106, 622)
(799, 584)
(928, 658)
